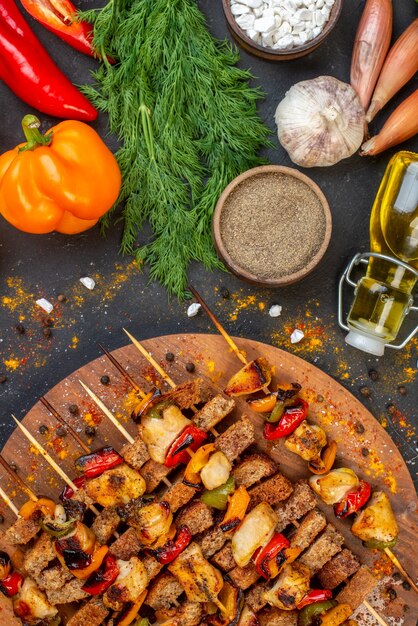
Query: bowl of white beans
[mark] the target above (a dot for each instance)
(281, 30)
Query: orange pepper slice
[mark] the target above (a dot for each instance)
(96, 562)
(196, 464)
(325, 461)
(263, 405)
(237, 507)
(129, 616)
(45, 505)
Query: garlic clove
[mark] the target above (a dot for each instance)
(320, 121)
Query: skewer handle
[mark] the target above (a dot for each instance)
(401, 568)
(9, 503)
(123, 371)
(17, 479)
(374, 613)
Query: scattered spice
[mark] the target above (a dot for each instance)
(272, 225)
(169, 357)
(374, 375)
(365, 392)
(43, 429)
(90, 431)
(359, 428)
(225, 293)
(3, 378)
(61, 432)
(20, 329)
(73, 409)
(105, 380)
(190, 367)
(402, 390)
(61, 297)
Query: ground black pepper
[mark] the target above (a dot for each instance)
(272, 225)
(190, 367)
(105, 380)
(169, 357)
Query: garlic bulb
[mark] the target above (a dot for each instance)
(320, 121)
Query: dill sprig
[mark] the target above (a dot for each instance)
(187, 121)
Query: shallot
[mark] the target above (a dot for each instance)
(370, 47)
(400, 65)
(401, 125)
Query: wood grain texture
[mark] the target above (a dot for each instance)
(363, 444)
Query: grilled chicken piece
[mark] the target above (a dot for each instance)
(256, 530)
(216, 471)
(306, 441)
(159, 434)
(335, 485)
(81, 539)
(116, 486)
(130, 583)
(291, 586)
(200, 580)
(152, 522)
(248, 617)
(251, 378)
(376, 522)
(32, 604)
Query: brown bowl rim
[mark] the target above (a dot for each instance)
(245, 274)
(281, 55)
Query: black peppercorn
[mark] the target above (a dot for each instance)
(374, 375)
(402, 390)
(406, 585)
(13, 466)
(3, 378)
(225, 293)
(365, 451)
(61, 432)
(391, 409)
(190, 367)
(43, 429)
(396, 576)
(73, 409)
(61, 297)
(169, 357)
(47, 321)
(105, 380)
(365, 392)
(20, 329)
(359, 428)
(47, 332)
(90, 431)
(392, 593)
(1, 519)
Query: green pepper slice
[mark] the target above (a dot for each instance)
(308, 613)
(56, 529)
(218, 498)
(374, 544)
(156, 410)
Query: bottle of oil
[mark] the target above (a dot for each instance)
(384, 295)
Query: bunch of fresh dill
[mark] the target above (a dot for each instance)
(187, 121)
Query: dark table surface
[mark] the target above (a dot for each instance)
(45, 266)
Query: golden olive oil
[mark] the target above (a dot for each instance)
(383, 296)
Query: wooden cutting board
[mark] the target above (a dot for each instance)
(363, 444)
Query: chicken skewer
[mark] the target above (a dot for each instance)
(239, 354)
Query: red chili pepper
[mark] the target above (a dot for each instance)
(292, 417)
(68, 492)
(191, 437)
(30, 73)
(313, 596)
(95, 463)
(273, 550)
(170, 551)
(353, 501)
(60, 17)
(102, 578)
(11, 585)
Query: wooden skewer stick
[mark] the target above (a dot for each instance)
(401, 568)
(50, 460)
(122, 371)
(9, 503)
(151, 360)
(18, 480)
(106, 411)
(218, 326)
(69, 428)
(374, 613)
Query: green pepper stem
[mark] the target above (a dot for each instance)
(34, 137)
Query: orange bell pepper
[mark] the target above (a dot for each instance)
(237, 507)
(44, 505)
(96, 561)
(128, 616)
(196, 464)
(63, 181)
(325, 461)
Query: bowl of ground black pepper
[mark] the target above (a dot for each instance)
(272, 226)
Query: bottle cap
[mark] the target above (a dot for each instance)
(367, 343)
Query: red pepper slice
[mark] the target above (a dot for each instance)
(95, 463)
(292, 417)
(11, 585)
(191, 437)
(313, 596)
(273, 550)
(103, 577)
(68, 492)
(60, 17)
(353, 501)
(170, 551)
